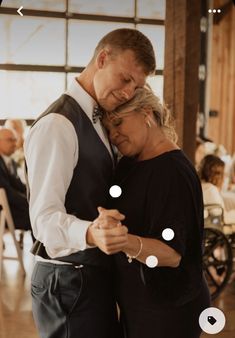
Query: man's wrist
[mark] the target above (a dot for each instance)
(89, 236)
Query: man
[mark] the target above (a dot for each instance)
(18, 126)
(9, 180)
(70, 165)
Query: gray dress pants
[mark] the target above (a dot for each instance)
(74, 302)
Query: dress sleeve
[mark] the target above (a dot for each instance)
(175, 202)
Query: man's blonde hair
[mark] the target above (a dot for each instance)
(129, 39)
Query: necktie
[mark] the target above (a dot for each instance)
(97, 114)
(11, 167)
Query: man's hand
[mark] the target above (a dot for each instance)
(107, 232)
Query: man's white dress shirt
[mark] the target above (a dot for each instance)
(52, 153)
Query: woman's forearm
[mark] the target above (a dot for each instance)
(165, 255)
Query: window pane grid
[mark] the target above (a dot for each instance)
(28, 94)
(30, 41)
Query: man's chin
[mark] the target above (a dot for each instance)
(110, 106)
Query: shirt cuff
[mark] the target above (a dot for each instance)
(77, 235)
(76, 240)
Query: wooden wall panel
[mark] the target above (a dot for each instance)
(221, 129)
(182, 50)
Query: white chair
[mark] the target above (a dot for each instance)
(6, 218)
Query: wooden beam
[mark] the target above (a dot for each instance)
(225, 9)
(182, 55)
(222, 69)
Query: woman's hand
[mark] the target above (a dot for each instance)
(108, 218)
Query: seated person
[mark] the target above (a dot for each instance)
(15, 189)
(18, 127)
(211, 172)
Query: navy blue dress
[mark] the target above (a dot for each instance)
(163, 302)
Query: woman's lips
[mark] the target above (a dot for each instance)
(119, 143)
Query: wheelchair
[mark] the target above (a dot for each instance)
(218, 249)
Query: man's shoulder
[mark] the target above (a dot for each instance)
(50, 122)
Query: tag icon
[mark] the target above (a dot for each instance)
(212, 320)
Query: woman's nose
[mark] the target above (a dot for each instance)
(113, 134)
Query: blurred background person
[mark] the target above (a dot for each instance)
(18, 126)
(10, 181)
(211, 172)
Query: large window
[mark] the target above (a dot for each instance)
(123, 8)
(43, 50)
(94, 31)
(32, 40)
(27, 94)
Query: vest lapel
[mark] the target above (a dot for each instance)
(4, 166)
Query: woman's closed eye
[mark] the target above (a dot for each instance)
(117, 122)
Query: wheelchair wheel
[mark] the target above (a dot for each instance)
(217, 260)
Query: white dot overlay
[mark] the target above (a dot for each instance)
(168, 234)
(218, 11)
(151, 261)
(214, 10)
(115, 191)
(210, 10)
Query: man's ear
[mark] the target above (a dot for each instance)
(102, 58)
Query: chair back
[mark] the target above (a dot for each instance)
(6, 219)
(6, 209)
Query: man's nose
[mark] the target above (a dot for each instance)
(128, 91)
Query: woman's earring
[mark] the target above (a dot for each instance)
(149, 124)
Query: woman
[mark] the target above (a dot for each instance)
(160, 190)
(211, 172)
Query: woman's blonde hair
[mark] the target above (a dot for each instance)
(144, 98)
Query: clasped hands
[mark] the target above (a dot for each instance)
(107, 231)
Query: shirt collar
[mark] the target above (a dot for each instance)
(6, 159)
(85, 101)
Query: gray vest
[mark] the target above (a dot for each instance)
(91, 179)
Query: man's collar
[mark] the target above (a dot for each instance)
(85, 101)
